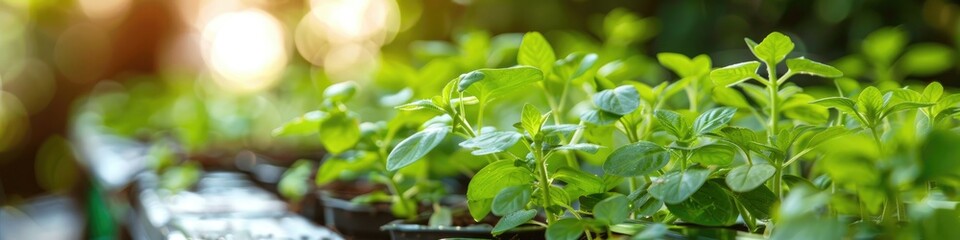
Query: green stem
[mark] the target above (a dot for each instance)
(876, 138)
(394, 187)
(480, 111)
(774, 88)
(544, 181)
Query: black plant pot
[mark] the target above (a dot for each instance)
(355, 221)
(406, 230)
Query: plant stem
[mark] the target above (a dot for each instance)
(774, 88)
(543, 180)
(392, 185)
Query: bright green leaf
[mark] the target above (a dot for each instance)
(339, 132)
(673, 122)
(513, 220)
(621, 100)
(713, 154)
(732, 75)
(415, 147)
(536, 51)
(531, 119)
(303, 125)
(493, 83)
(806, 66)
(713, 119)
(489, 181)
(709, 206)
(677, 186)
(773, 48)
(747, 177)
(599, 117)
(491, 142)
(511, 199)
(565, 229)
(611, 210)
(637, 159)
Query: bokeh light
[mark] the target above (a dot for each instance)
(345, 36)
(245, 50)
(14, 122)
(104, 9)
(83, 53)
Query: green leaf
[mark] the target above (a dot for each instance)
(773, 48)
(295, 184)
(652, 232)
(747, 177)
(713, 154)
(730, 97)
(621, 100)
(491, 142)
(330, 170)
(758, 202)
(709, 206)
(582, 147)
(751, 45)
(684, 66)
(802, 65)
(742, 137)
(536, 51)
(637, 159)
(574, 65)
(340, 92)
(513, 220)
(561, 129)
(565, 229)
(339, 132)
(531, 119)
(441, 217)
(490, 84)
(732, 75)
(611, 210)
(677, 186)
(870, 102)
(303, 125)
(599, 117)
(415, 147)
(423, 104)
(842, 104)
(489, 181)
(713, 119)
(479, 208)
(644, 204)
(589, 183)
(672, 122)
(933, 92)
(822, 136)
(511, 199)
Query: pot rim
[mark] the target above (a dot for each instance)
(402, 225)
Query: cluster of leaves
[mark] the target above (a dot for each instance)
(712, 148)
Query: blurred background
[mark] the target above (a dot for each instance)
(244, 66)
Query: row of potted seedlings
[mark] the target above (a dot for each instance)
(570, 149)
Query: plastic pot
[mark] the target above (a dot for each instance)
(405, 230)
(355, 221)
